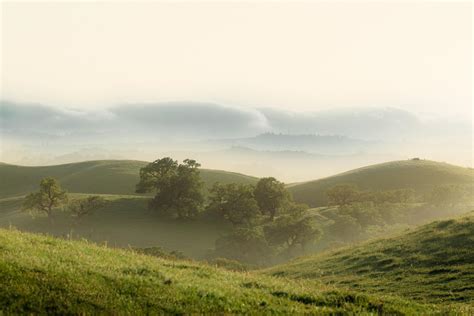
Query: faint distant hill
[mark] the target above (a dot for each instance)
(33, 133)
(313, 143)
(420, 175)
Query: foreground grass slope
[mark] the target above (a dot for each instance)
(420, 175)
(96, 177)
(433, 263)
(40, 274)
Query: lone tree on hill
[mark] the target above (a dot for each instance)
(49, 197)
(178, 187)
(271, 196)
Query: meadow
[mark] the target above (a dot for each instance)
(126, 258)
(46, 275)
(432, 264)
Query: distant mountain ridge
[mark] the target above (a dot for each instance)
(312, 143)
(36, 133)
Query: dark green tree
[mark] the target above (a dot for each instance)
(49, 197)
(83, 207)
(234, 202)
(292, 230)
(177, 187)
(245, 244)
(271, 196)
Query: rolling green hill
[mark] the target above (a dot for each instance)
(44, 275)
(98, 177)
(433, 263)
(420, 175)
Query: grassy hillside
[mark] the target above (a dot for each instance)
(41, 274)
(99, 177)
(125, 221)
(434, 263)
(420, 175)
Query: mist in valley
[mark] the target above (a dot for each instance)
(291, 146)
(257, 157)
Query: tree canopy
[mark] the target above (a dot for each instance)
(234, 202)
(292, 230)
(271, 196)
(246, 244)
(49, 197)
(83, 207)
(177, 187)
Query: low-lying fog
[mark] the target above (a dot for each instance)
(292, 146)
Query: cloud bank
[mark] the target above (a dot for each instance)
(191, 120)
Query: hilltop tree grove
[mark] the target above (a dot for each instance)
(177, 187)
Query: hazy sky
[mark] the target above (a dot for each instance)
(299, 56)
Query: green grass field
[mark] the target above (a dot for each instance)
(420, 175)
(45, 275)
(433, 263)
(125, 221)
(426, 271)
(95, 177)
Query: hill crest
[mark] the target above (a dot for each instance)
(420, 175)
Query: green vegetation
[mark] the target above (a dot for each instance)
(434, 263)
(95, 177)
(291, 233)
(355, 215)
(40, 274)
(239, 225)
(420, 175)
(177, 187)
(268, 226)
(271, 196)
(234, 202)
(278, 229)
(80, 208)
(49, 197)
(124, 221)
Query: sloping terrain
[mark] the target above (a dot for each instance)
(433, 263)
(126, 221)
(97, 177)
(40, 274)
(420, 175)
